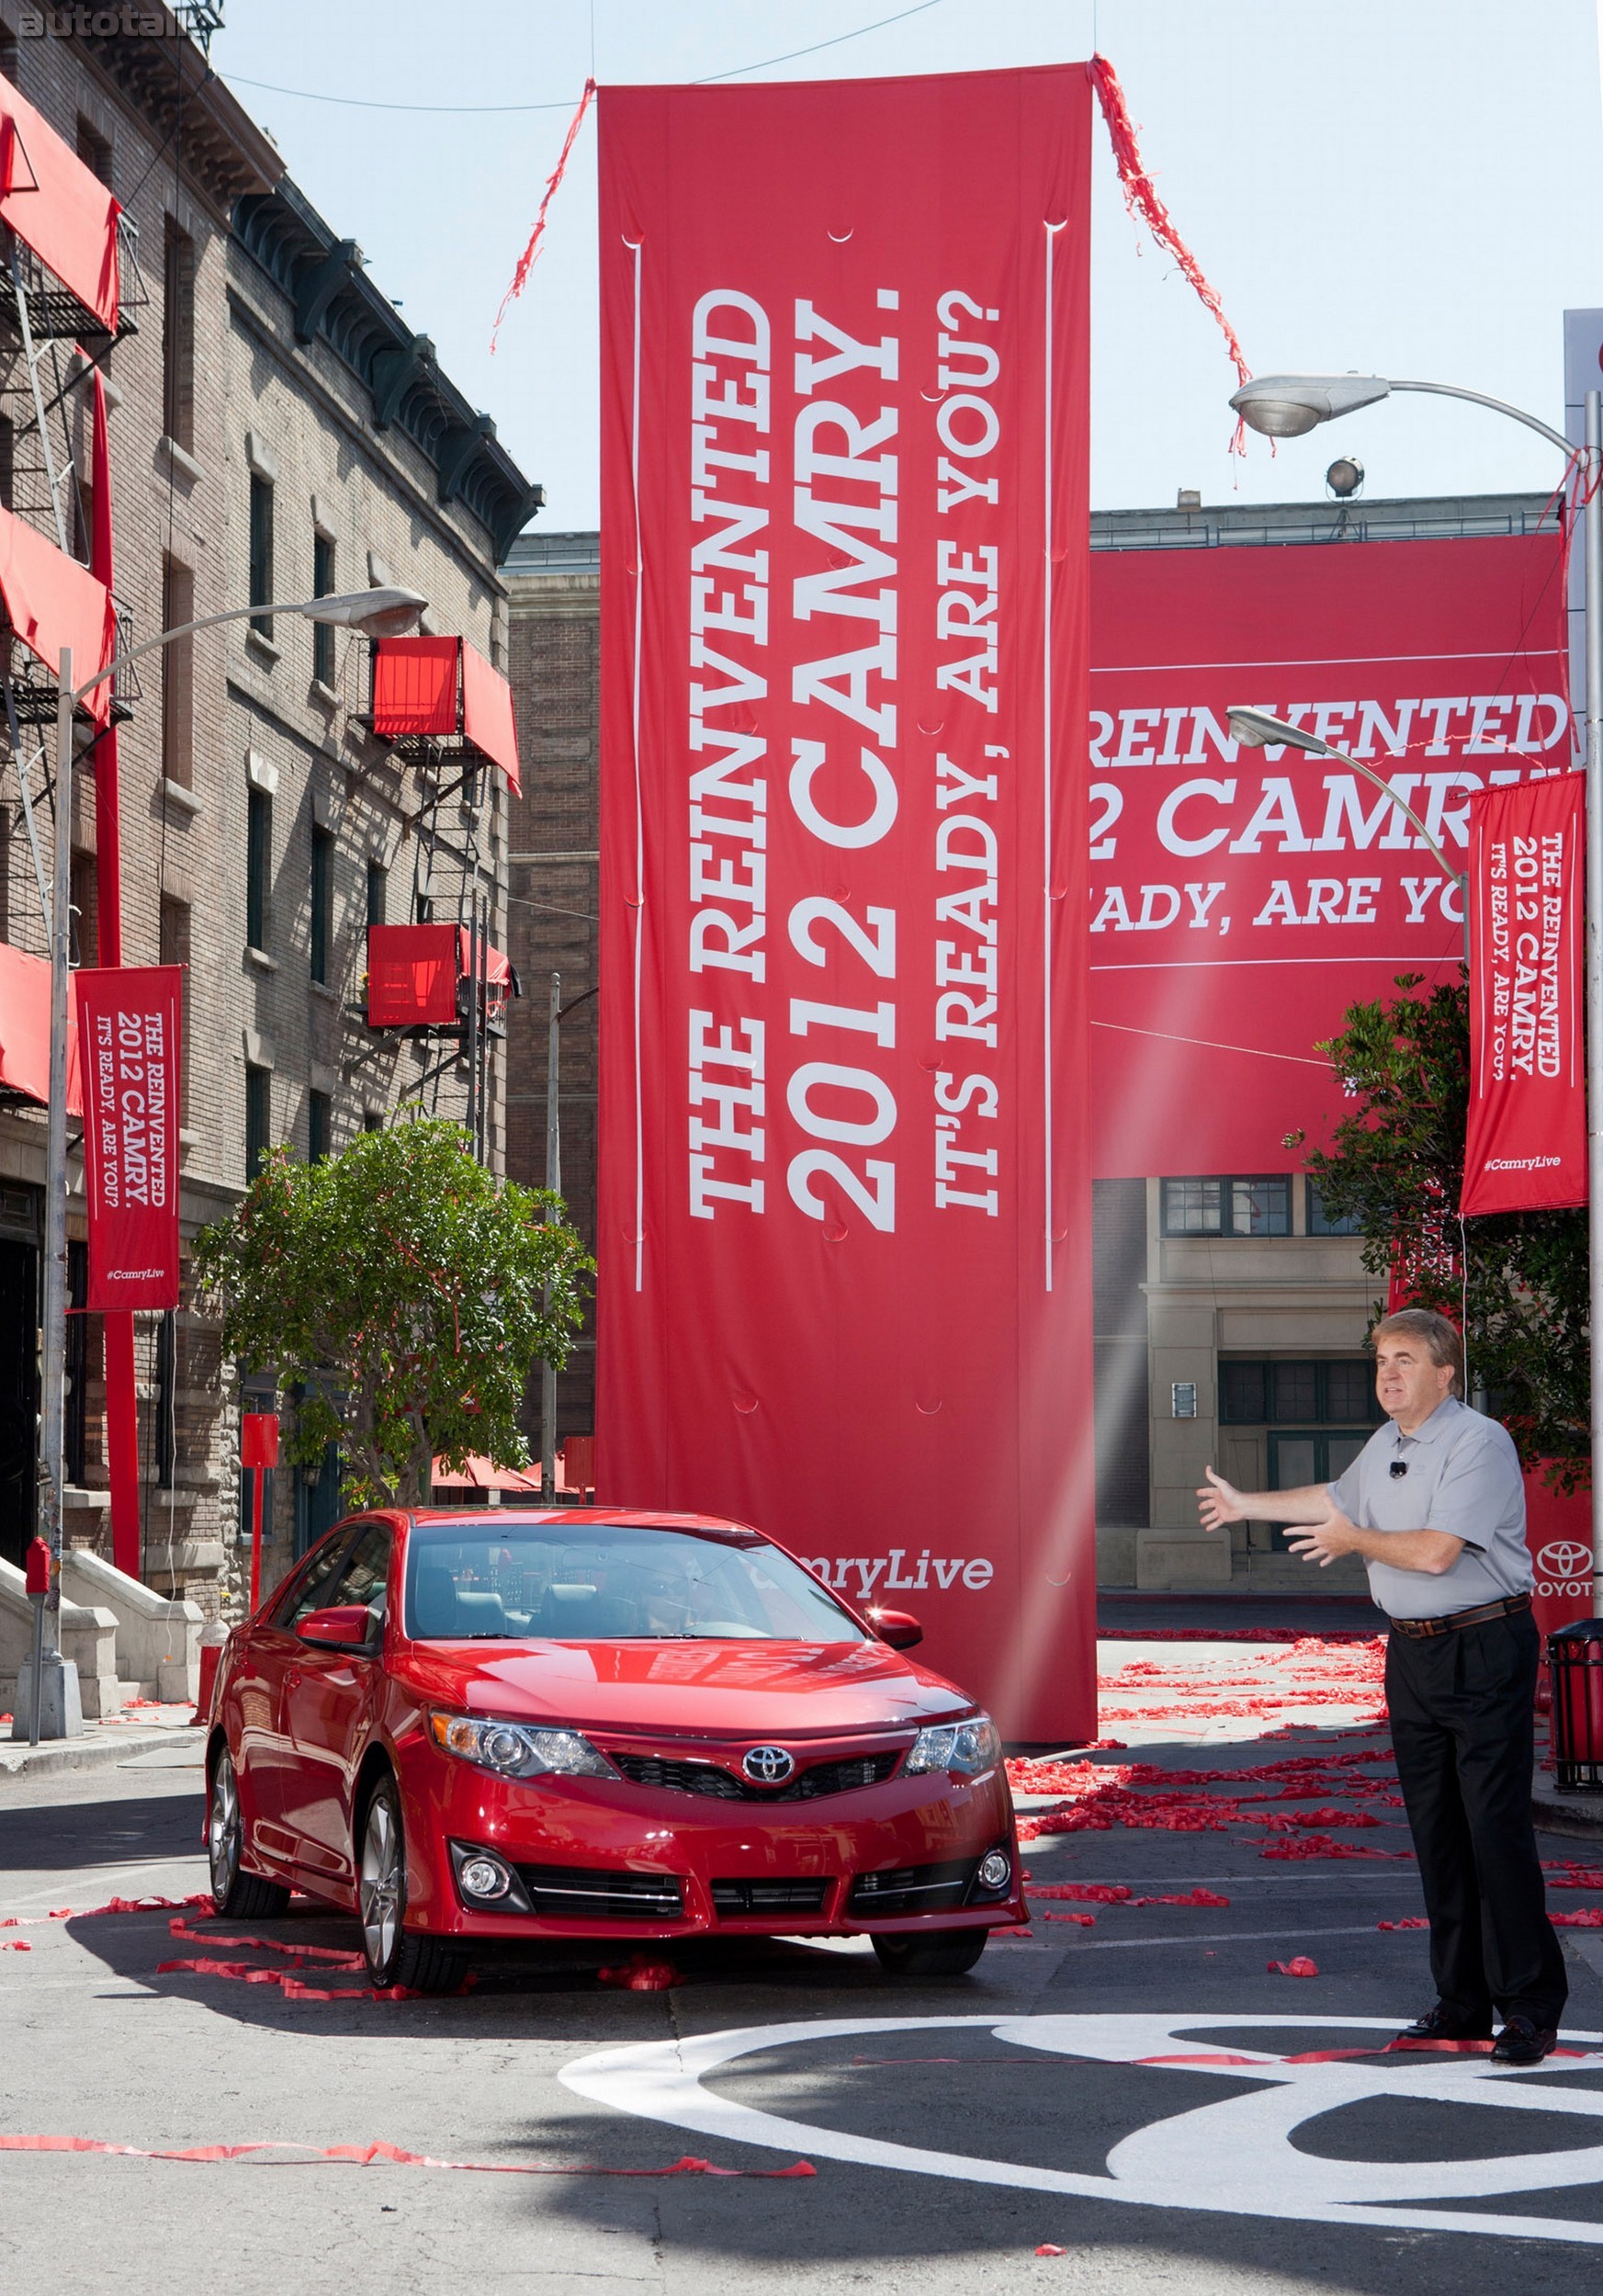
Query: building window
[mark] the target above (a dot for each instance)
(85, 919)
(322, 633)
(1298, 1456)
(319, 1122)
(178, 337)
(372, 1119)
(175, 950)
(1228, 1207)
(77, 1427)
(377, 891)
(1297, 1394)
(94, 150)
(258, 1117)
(261, 569)
(1323, 1223)
(166, 1398)
(323, 850)
(258, 866)
(177, 674)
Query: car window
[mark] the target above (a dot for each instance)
(308, 1594)
(612, 1582)
(364, 1576)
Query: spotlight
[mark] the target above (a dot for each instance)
(1344, 477)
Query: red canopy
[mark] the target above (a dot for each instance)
(51, 602)
(413, 971)
(25, 1030)
(483, 1475)
(58, 207)
(444, 687)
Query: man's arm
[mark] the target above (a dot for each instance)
(1219, 1502)
(1429, 1552)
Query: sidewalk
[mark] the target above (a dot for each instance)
(98, 1744)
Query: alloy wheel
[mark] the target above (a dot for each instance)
(382, 1882)
(224, 1829)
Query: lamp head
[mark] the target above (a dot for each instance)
(1288, 406)
(1256, 729)
(384, 611)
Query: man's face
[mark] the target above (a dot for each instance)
(1408, 1381)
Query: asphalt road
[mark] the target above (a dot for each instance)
(949, 2142)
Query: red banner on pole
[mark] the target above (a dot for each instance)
(129, 1031)
(1525, 1146)
(844, 1255)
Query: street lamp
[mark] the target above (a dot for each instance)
(1288, 406)
(380, 612)
(1256, 729)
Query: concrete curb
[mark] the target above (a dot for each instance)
(91, 1751)
(1579, 1815)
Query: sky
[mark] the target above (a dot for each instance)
(1412, 187)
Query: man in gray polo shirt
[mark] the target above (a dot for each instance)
(1435, 1504)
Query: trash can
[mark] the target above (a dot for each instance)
(1574, 1656)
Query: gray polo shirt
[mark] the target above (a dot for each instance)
(1464, 1476)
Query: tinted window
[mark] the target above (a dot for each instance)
(364, 1576)
(624, 1582)
(306, 1593)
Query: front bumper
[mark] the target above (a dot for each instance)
(608, 1858)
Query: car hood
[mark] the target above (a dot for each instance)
(690, 1689)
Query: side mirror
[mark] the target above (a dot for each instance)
(899, 1628)
(347, 1626)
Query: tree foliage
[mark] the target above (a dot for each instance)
(1395, 1165)
(403, 1295)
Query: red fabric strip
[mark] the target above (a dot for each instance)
(396, 2156)
(527, 259)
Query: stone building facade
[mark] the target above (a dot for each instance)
(1243, 1346)
(277, 431)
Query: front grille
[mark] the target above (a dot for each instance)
(732, 1899)
(577, 1892)
(726, 1785)
(913, 1889)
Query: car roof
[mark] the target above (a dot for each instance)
(577, 1517)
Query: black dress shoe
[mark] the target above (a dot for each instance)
(1439, 2023)
(1521, 2043)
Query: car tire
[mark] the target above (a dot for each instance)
(240, 1895)
(395, 1955)
(951, 1955)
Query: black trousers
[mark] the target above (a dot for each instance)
(1462, 1723)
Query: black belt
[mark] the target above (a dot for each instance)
(1419, 1629)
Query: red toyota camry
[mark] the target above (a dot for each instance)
(475, 1727)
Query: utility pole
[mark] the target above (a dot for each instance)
(554, 1182)
(51, 1698)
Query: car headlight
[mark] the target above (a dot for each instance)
(966, 1748)
(514, 1750)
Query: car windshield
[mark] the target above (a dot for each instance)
(613, 1583)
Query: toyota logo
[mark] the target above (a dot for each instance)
(1564, 1558)
(768, 1765)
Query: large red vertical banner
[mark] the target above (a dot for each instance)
(844, 1237)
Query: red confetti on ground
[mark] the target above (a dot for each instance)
(1048, 2248)
(1086, 1921)
(1321, 1846)
(1409, 1921)
(1298, 1966)
(18, 1945)
(1233, 1634)
(641, 1973)
(1012, 1929)
(1084, 1893)
(1566, 1876)
(1584, 1917)
(395, 2155)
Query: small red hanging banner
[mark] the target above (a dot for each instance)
(130, 1026)
(1526, 1144)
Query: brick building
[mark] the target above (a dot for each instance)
(277, 431)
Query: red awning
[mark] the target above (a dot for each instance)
(483, 1475)
(413, 971)
(25, 1030)
(487, 715)
(414, 686)
(51, 602)
(497, 972)
(444, 687)
(58, 207)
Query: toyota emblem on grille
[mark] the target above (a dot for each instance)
(768, 1765)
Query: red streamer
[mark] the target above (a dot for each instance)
(527, 259)
(1298, 1966)
(1146, 207)
(395, 2155)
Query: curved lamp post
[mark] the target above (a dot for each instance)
(1288, 406)
(384, 612)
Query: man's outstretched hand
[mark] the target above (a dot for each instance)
(1219, 1502)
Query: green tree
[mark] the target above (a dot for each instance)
(1395, 1165)
(406, 1293)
